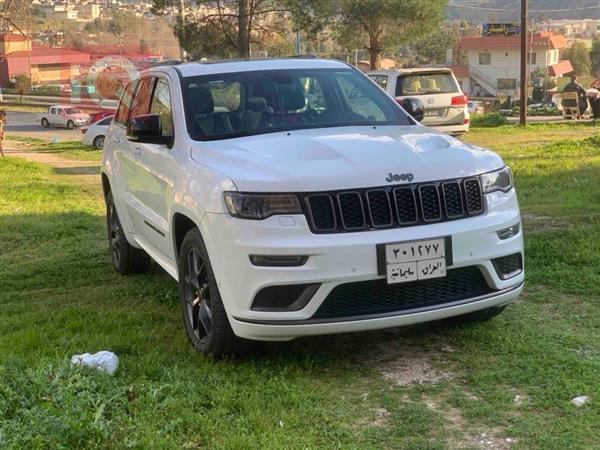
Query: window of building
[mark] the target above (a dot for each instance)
(532, 58)
(485, 59)
(507, 83)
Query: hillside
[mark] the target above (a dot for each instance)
(508, 10)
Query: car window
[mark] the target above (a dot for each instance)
(381, 80)
(161, 106)
(122, 113)
(226, 96)
(426, 83)
(358, 101)
(106, 121)
(140, 104)
(53, 110)
(315, 99)
(229, 105)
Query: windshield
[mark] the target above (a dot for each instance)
(72, 111)
(246, 103)
(426, 83)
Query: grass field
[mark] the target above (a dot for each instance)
(503, 384)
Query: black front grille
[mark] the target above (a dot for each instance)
(393, 206)
(508, 266)
(377, 297)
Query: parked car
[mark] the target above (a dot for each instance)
(64, 116)
(107, 108)
(293, 197)
(93, 136)
(474, 107)
(445, 104)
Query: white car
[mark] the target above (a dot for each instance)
(437, 88)
(64, 116)
(93, 136)
(293, 197)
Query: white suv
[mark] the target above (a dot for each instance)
(446, 106)
(293, 197)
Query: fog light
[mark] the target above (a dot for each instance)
(278, 260)
(510, 231)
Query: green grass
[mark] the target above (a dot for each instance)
(67, 149)
(60, 296)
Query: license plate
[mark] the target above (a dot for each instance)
(403, 262)
(434, 112)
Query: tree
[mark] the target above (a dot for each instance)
(22, 84)
(378, 25)
(595, 57)
(579, 55)
(432, 48)
(235, 20)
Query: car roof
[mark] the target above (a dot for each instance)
(233, 66)
(409, 70)
(62, 106)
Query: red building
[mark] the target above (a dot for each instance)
(18, 55)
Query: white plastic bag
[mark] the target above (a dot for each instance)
(104, 361)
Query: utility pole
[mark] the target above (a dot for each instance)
(524, 91)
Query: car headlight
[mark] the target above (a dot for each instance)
(261, 206)
(500, 180)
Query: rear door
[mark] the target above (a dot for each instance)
(116, 148)
(440, 93)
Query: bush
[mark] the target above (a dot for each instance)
(487, 120)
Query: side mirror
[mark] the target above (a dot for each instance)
(414, 107)
(146, 129)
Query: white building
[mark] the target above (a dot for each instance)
(493, 62)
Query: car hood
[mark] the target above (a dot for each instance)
(342, 158)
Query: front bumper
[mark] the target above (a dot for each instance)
(336, 259)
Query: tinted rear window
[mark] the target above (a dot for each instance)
(426, 83)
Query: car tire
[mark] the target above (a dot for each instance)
(476, 316)
(99, 142)
(45, 123)
(70, 125)
(204, 316)
(125, 257)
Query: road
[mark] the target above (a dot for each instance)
(27, 124)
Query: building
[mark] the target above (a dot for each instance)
(493, 62)
(56, 65)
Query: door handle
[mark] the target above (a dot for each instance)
(137, 150)
(117, 140)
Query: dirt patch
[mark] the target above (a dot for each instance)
(413, 369)
(379, 418)
(405, 364)
(533, 223)
(461, 435)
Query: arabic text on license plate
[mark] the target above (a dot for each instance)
(418, 260)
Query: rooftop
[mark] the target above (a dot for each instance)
(542, 40)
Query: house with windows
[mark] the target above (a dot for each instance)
(491, 64)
